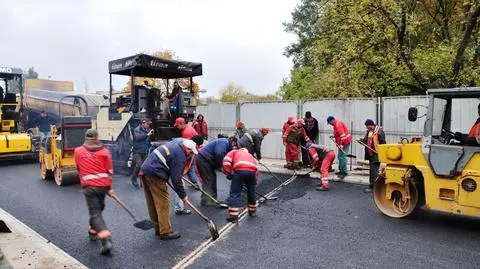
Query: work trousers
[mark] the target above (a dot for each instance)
(326, 164)
(342, 159)
(179, 205)
(158, 204)
(95, 197)
(305, 155)
(374, 169)
(291, 152)
(208, 177)
(138, 158)
(241, 178)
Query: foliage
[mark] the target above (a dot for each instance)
(235, 93)
(31, 73)
(382, 47)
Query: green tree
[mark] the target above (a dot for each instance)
(232, 93)
(31, 73)
(382, 48)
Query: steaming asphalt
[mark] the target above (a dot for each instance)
(303, 229)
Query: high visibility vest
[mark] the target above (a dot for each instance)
(373, 141)
(475, 132)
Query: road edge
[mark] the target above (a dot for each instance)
(25, 248)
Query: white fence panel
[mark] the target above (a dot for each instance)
(464, 114)
(271, 115)
(220, 118)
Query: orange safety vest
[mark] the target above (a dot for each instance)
(372, 140)
(475, 132)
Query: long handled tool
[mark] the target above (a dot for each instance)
(211, 225)
(222, 205)
(338, 146)
(143, 224)
(270, 172)
(365, 145)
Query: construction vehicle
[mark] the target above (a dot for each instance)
(116, 123)
(438, 170)
(56, 151)
(14, 142)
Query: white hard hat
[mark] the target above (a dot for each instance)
(190, 145)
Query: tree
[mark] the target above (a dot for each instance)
(31, 73)
(381, 48)
(232, 93)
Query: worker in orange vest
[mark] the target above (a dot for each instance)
(374, 137)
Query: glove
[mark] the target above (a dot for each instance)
(110, 192)
(185, 199)
(230, 177)
(340, 147)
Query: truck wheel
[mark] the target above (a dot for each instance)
(58, 176)
(397, 204)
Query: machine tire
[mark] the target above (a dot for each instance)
(58, 176)
(387, 206)
(45, 173)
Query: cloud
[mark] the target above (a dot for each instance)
(237, 41)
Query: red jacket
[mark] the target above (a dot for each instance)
(94, 165)
(239, 160)
(341, 133)
(188, 132)
(201, 127)
(300, 135)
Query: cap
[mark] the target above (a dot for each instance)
(330, 118)
(91, 133)
(369, 122)
(189, 144)
(301, 122)
(265, 130)
(239, 124)
(291, 119)
(179, 121)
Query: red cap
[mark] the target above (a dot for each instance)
(239, 124)
(265, 130)
(291, 119)
(179, 121)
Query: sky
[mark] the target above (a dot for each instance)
(239, 42)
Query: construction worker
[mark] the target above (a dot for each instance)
(240, 167)
(186, 131)
(252, 140)
(290, 121)
(200, 126)
(293, 136)
(372, 139)
(43, 122)
(166, 161)
(95, 169)
(141, 144)
(210, 159)
(321, 157)
(240, 129)
(179, 205)
(311, 128)
(473, 137)
(343, 139)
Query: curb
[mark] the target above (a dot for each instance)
(25, 248)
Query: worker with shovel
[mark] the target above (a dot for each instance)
(343, 139)
(372, 139)
(322, 157)
(95, 169)
(240, 167)
(166, 161)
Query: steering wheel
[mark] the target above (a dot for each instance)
(447, 136)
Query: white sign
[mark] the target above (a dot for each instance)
(5, 70)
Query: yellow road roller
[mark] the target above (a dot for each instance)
(56, 150)
(441, 169)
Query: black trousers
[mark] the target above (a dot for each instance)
(138, 158)
(241, 178)
(305, 159)
(207, 174)
(374, 166)
(95, 197)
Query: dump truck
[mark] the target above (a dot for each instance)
(439, 170)
(115, 124)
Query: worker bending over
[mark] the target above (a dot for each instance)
(252, 141)
(321, 157)
(294, 135)
(240, 167)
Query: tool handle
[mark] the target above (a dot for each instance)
(202, 191)
(122, 204)
(338, 146)
(190, 204)
(365, 145)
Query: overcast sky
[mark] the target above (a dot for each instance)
(237, 41)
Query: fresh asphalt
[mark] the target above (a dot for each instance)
(303, 229)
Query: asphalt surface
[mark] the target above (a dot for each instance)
(303, 229)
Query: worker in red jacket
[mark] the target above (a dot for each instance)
(94, 166)
(240, 167)
(200, 126)
(186, 131)
(321, 157)
(290, 121)
(343, 139)
(293, 136)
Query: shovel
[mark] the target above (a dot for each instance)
(211, 225)
(271, 173)
(365, 145)
(143, 224)
(222, 205)
(338, 146)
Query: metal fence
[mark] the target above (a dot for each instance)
(390, 112)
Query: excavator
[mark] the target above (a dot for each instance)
(440, 170)
(14, 142)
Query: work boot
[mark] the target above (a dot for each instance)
(92, 234)
(322, 187)
(134, 181)
(232, 219)
(207, 202)
(106, 245)
(170, 236)
(183, 212)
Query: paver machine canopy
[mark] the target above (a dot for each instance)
(441, 169)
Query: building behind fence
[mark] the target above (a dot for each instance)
(390, 112)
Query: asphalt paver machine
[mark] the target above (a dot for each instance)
(440, 169)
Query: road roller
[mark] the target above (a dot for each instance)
(440, 170)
